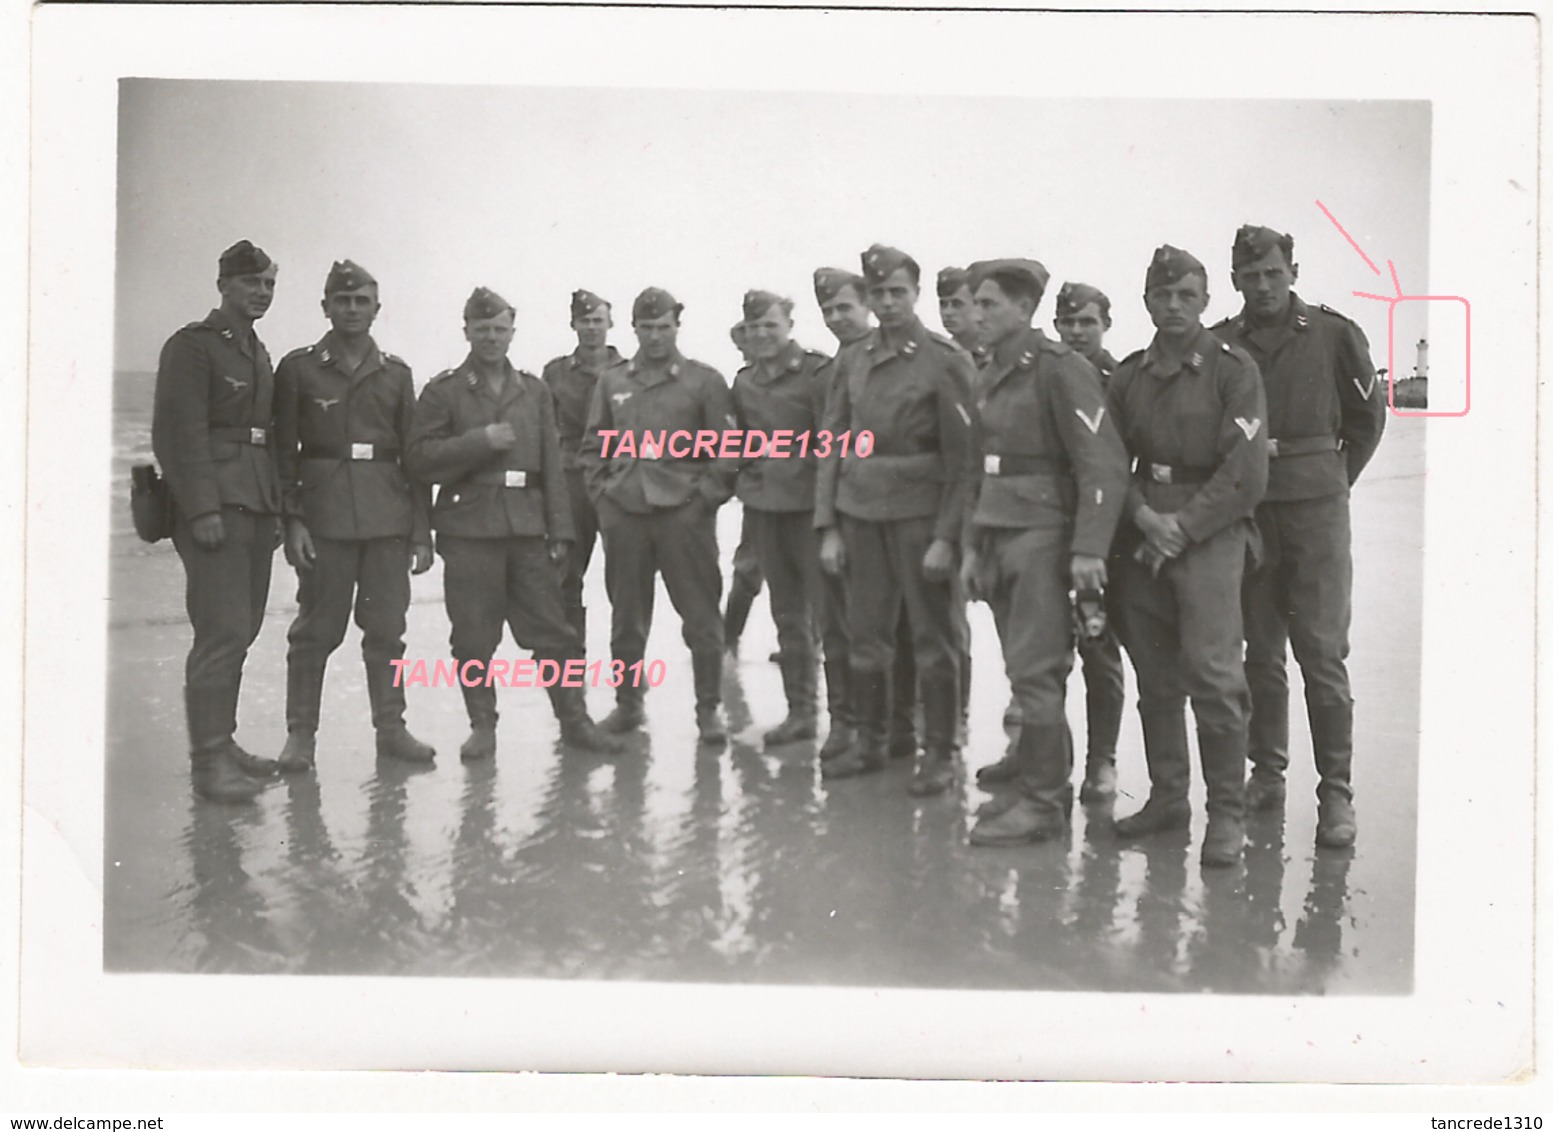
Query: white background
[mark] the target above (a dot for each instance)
(1469, 1019)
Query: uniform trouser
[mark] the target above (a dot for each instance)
(1301, 595)
(884, 571)
(787, 549)
(490, 581)
(1183, 632)
(585, 524)
(1029, 599)
(746, 584)
(225, 593)
(373, 575)
(1105, 691)
(681, 544)
(836, 637)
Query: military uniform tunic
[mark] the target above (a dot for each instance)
(341, 438)
(495, 511)
(1326, 414)
(657, 511)
(1197, 432)
(1048, 482)
(908, 491)
(572, 381)
(211, 432)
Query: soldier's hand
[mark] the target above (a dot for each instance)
(938, 562)
(208, 531)
(300, 551)
(420, 557)
(560, 550)
(833, 552)
(1087, 572)
(500, 435)
(1172, 539)
(970, 575)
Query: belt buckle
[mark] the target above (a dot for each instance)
(256, 436)
(516, 479)
(991, 464)
(1272, 447)
(1160, 473)
(361, 451)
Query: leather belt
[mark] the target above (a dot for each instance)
(354, 451)
(256, 436)
(508, 477)
(1301, 445)
(1018, 465)
(1174, 473)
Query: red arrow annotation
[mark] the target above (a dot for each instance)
(1391, 330)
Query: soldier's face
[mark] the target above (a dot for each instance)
(1176, 308)
(845, 315)
(657, 336)
(1265, 283)
(893, 298)
(352, 312)
(999, 315)
(490, 338)
(957, 312)
(1082, 330)
(593, 328)
(768, 334)
(248, 296)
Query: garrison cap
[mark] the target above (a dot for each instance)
(1030, 271)
(828, 282)
(242, 258)
(485, 303)
(880, 261)
(347, 276)
(951, 279)
(585, 303)
(757, 303)
(1074, 297)
(655, 302)
(1252, 242)
(1170, 264)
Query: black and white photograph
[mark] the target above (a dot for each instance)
(597, 530)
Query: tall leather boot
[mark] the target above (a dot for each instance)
(253, 765)
(741, 597)
(707, 666)
(903, 702)
(1040, 812)
(627, 714)
(934, 771)
(304, 693)
(1331, 734)
(1103, 712)
(1170, 775)
(1267, 749)
(1224, 772)
(962, 728)
(480, 703)
(799, 683)
(577, 727)
(871, 702)
(213, 774)
(838, 698)
(394, 740)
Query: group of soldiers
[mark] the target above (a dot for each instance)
(1196, 493)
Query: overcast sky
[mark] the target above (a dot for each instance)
(535, 192)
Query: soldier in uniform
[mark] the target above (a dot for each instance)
(1325, 414)
(1191, 411)
(891, 519)
(1083, 317)
(355, 525)
(571, 379)
(657, 505)
(486, 433)
(957, 308)
(211, 432)
(747, 579)
(783, 387)
(1047, 488)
